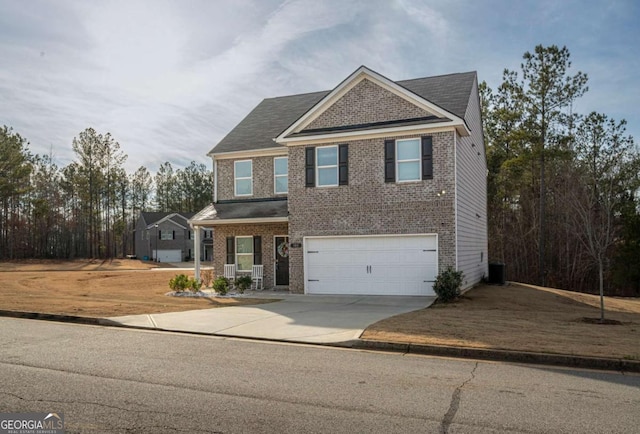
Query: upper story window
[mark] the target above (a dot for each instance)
(243, 178)
(327, 166)
(167, 235)
(408, 160)
(281, 175)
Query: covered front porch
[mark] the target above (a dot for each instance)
(247, 233)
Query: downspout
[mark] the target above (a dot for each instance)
(455, 191)
(215, 179)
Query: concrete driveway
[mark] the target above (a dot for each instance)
(297, 318)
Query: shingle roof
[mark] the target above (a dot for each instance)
(451, 91)
(274, 115)
(152, 217)
(267, 121)
(243, 209)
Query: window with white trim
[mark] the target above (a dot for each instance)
(281, 175)
(166, 235)
(327, 166)
(243, 177)
(244, 253)
(408, 160)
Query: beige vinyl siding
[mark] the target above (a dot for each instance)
(471, 197)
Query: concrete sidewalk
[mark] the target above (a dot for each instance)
(296, 318)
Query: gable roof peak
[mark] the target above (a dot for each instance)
(361, 73)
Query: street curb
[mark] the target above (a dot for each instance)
(567, 360)
(54, 317)
(564, 360)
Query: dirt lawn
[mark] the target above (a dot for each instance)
(521, 317)
(97, 289)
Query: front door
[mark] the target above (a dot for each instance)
(282, 260)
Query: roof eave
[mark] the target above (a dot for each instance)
(215, 222)
(460, 126)
(263, 152)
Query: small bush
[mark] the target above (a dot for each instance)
(243, 283)
(221, 285)
(179, 283)
(447, 285)
(207, 277)
(195, 285)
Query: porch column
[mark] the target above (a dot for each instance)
(196, 250)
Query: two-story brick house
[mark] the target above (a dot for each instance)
(370, 188)
(167, 237)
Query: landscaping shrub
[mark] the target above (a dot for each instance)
(221, 285)
(179, 283)
(447, 285)
(207, 277)
(243, 283)
(195, 285)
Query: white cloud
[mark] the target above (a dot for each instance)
(170, 78)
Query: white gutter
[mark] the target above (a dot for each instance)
(215, 179)
(241, 221)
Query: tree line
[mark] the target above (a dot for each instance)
(563, 187)
(88, 208)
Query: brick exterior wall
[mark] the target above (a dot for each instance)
(262, 178)
(369, 206)
(266, 231)
(373, 103)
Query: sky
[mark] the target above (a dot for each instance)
(169, 79)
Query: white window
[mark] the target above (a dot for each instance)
(244, 253)
(408, 160)
(166, 235)
(243, 173)
(281, 175)
(327, 166)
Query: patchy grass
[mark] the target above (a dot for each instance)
(521, 317)
(79, 265)
(72, 290)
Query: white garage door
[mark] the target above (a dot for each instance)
(170, 255)
(372, 265)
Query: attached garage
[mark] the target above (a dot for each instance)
(169, 255)
(371, 265)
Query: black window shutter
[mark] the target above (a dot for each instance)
(427, 157)
(173, 235)
(231, 250)
(310, 166)
(159, 233)
(257, 250)
(343, 164)
(389, 161)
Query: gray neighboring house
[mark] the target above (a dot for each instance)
(167, 237)
(373, 187)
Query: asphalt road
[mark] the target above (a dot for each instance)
(118, 380)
